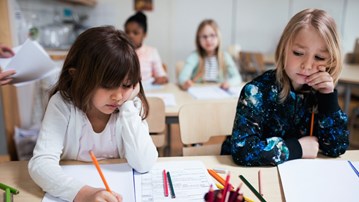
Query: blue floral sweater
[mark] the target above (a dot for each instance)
(266, 132)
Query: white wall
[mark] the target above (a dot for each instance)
(255, 25)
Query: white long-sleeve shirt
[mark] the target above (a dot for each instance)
(59, 139)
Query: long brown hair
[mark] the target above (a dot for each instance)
(102, 57)
(326, 28)
(202, 53)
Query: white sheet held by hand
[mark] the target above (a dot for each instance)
(30, 61)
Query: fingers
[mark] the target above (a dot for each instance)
(5, 76)
(321, 81)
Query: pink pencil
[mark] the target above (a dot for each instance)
(260, 185)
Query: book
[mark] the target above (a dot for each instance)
(190, 179)
(319, 180)
(30, 61)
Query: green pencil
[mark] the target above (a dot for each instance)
(259, 196)
(173, 195)
(12, 190)
(7, 195)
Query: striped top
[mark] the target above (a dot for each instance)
(211, 69)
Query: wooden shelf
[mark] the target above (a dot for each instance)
(82, 2)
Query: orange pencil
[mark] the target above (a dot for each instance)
(312, 124)
(217, 177)
(94, 160)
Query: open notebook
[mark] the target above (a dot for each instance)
(190, 179)
(320, 180)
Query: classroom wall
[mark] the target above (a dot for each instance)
(254, 25)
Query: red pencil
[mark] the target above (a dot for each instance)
(165, 184)
(226, 188)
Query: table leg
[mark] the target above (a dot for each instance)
(347, 97)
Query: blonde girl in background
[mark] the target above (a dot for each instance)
(208, 63)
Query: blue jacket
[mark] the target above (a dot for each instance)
(266, 132)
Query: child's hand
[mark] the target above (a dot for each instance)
(160, 80)
(321, 81)
(135, 91)
(187, 85)
(224, 85)
(89, 194)
(5, 76)
(310, 147)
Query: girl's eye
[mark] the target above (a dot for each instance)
(319, 58)
(125, 86)
(297, 53)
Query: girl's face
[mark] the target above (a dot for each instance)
(135, 32)
(107, 101)
(305, 56)
(208, 39)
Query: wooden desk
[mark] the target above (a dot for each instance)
(349, 78)
(15, 174)
(182, 97)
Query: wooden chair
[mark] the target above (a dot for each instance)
(156, 120)
(201, 121)
(251, 64)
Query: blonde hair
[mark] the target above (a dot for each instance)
(326, 28)
(202, 53)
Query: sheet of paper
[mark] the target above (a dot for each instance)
(190, 180)
(118, 176)
(208, 92)
(168, 98)
(30, 61)
(319, 180)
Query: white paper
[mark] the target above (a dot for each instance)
(30, 61)
(191, 182)
(168, 98)
(319, 180)
(214, 92)
(118, 176)
(190, 179)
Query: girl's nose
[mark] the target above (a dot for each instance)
(117, 96)
(307, 64)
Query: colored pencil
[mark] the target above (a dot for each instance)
(12, 190)
(165, 184)
(8, 195)
(260, 183)
(226, 188)
(354, 168)
(217, 177)
(245, 181)
(312, 124)
(173, 195)
(95, 162)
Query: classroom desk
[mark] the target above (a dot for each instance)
(182, 97)
(349, 78)
(15, 174)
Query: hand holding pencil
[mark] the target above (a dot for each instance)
(90, 194)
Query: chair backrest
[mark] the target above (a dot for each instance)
(179, 67)
(251, 63)
(156, 120)
(199, 122)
